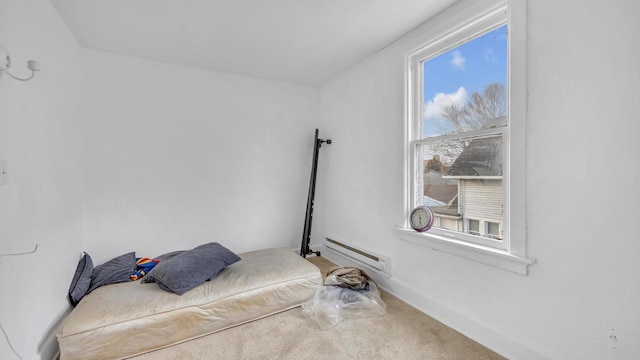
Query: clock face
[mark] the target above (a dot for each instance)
(421, 218)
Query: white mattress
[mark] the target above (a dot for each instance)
(122, 320)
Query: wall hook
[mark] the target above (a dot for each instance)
(5, 64)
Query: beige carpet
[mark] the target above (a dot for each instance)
(403, 333)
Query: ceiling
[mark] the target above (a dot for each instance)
(299, 41)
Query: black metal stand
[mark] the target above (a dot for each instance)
(306, 234)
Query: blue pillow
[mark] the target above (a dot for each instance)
(81, 279)
(189, 269)
(114, 271)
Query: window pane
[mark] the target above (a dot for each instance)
(465, 87)
(493, 230)
(462, 182)
(480, 157)
(474, 227)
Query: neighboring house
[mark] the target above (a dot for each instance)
(443, 196)
(473, 187)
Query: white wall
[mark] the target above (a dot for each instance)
(582, 192)
(150, 157)
(177, 157)
(42, 138)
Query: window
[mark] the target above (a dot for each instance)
(465, 122)
(474, 227)
(493, 230)
(461, 94)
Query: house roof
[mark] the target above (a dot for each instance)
(439, 189)
(449, 210)
(482, 157)
(431, 202)
(441, 193)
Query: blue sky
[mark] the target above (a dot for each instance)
(457, 73)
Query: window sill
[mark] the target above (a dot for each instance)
(500, 259)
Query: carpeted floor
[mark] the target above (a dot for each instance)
(403, 333)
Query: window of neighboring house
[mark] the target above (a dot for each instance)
(493, 230)
(474, 227)
(466, 113)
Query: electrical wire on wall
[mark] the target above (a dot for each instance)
(9, 342)
(24, 253)
(1, 327)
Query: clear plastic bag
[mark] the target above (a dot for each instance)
(332, 304)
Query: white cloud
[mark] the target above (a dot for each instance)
(433, 107)
(489, 56)
(457, 60)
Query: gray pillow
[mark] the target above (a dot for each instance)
(116, 270)
(169, 255)
(189, 269)
(81, 280)
(163, 257)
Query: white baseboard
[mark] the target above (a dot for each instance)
(480, 330)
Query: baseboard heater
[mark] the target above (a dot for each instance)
(381, 264)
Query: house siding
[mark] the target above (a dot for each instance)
(481, 199)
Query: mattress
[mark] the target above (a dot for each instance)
(127, 319)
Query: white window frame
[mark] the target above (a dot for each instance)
(450, 29)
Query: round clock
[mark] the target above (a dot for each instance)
(421, 218)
